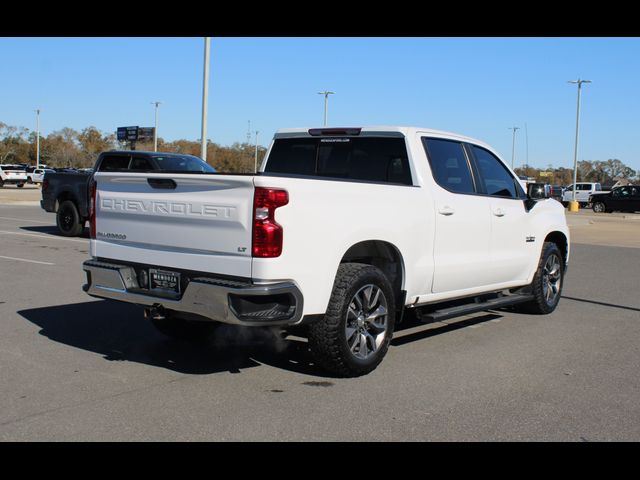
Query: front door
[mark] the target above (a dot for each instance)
(511, 243)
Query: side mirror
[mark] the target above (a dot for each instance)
(538, 191)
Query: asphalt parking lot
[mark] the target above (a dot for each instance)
(77, 368)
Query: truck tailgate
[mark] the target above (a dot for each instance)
(183, 221)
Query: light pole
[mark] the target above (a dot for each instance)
(155, 130)
(37, 138)
(205, 96)
(256, 159)
(326, 103)
(513, 147)
(573, 206)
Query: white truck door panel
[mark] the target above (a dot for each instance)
(510, 255)
(461, 247)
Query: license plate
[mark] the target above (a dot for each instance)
(163, 280)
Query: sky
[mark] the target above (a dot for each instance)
(479, 87)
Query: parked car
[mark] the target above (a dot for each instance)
(583, 191)
(338, 234)
(12, 175)
(37, 175)
(624, 199)
(66, 193)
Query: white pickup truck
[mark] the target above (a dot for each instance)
(340, 231)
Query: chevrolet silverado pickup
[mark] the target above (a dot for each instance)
(339, 232)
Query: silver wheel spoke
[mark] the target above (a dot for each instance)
(366, 321)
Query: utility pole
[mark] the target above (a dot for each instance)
(326, 103)
(249, 133)
(526, 136)
(256, 159)
(573, 204)
(155, 130)
(37, 138)
(513, 147)
(205, 98)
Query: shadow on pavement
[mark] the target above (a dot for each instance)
(53, 230)
(118, 332)
(411, 321)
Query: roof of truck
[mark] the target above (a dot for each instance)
(375, 129)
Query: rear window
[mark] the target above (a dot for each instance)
(156, 163)
(182, 163)
(374, 159)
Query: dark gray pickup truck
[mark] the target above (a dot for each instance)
(67, 193)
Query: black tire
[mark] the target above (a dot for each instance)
(191, 331)
(599, 207)
(68, 219)
(328, 337)
(542, 304)
(29, 180)
(20, 185)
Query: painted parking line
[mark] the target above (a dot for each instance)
(26, 260)
(48, 237)
(25, 220)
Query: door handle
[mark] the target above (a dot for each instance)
(498, 212)
(446, 210)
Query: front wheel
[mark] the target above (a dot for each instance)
(354, 335)
(20, 185)
(599, 207)
(547, 282)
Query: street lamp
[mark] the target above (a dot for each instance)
(326, 99)
(155, 130)
(573, 205)
(256, 159)
(513, 147)
(37, 138)
(205, 96)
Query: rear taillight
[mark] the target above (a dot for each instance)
(45, 185)
(92, 210)
(267, 234)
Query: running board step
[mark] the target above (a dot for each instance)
(457, 311)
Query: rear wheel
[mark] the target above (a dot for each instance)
(20, 185)
(68, 219)
(599, 207)
(354, 335)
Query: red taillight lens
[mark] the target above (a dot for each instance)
(92, 211)
(267, 234)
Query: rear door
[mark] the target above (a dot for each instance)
(462, 224)
(199, 222)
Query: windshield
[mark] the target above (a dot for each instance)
(183, 163)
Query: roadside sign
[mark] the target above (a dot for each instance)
(145, 133)
(127, 133)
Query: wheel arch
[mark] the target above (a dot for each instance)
(381, 254)
(560, 239)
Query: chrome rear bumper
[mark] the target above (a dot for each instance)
(214, 299)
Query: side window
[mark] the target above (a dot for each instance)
(112, 163)
(497, 179)
(449, 165)
(598, 187)
(635, 191)
(141, 164)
